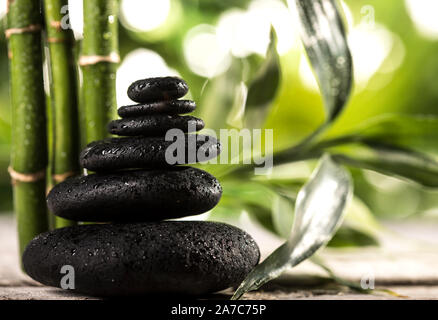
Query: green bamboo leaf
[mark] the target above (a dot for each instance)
(282, 215)
(245, 102)
(323, 36)
(226, 212)
(235, 117)
(419, 132)
(262, 215)
(218, 97)
(251, 193)
(393, 161)
(319, 210)
(351, 237)
(360, 228)
(359, 217)
(264, 87)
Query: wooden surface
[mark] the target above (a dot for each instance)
(407, 263)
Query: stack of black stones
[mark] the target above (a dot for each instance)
(129, 250)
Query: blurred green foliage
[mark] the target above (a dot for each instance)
(5, 126)
(295, 113)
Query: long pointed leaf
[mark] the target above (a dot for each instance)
(235, 117)
(419, 132)
(323, 35)
(394, 161)
(263, 88)
(319, 210)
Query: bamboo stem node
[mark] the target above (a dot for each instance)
(64, 143)
(26, 177)
(56, 24)
(29, 145)
(29, 28)
(60, 177)
(56, 40)
(113, 57)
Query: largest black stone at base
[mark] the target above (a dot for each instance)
(173, 257)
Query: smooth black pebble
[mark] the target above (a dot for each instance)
(157, 89)
(166, 107)
(168, 257)
(130, 196)
(147, 152)
(154, 125)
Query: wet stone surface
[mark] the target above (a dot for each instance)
(157, 89)
(136, 182)
(190, 257)
(146, 152)
(163, 107)
(138, 195)
(154, 125)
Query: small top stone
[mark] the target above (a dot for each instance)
(157, 89)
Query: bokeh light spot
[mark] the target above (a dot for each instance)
(423, 14)
(3, 7)
(144, 15)
(246, 32)
(370, 47)
(204, 53)
(76, 15)
(139, 64)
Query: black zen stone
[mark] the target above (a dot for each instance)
(146, 152)
(166, 107)
(131, 196)
(168, 257)
(154, 125)
(157, 89)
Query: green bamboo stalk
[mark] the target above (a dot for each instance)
(99, 61)
(64, 102)
(29, 146)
